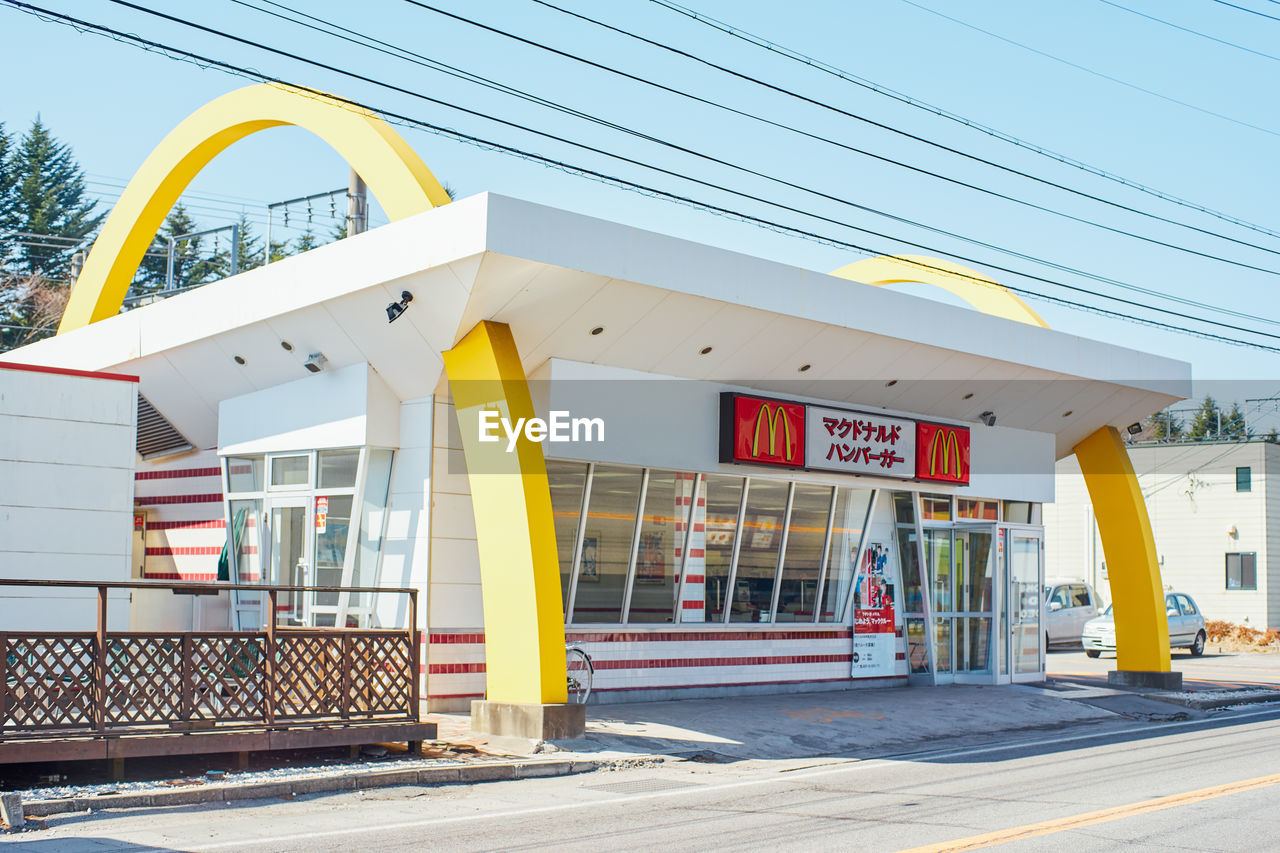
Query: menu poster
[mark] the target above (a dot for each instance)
(874, 641)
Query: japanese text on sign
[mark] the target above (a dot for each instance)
(856, 443)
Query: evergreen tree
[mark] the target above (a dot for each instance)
(1273, 436)
(305, 242)
(1205, 424)
(1233, 423)
(48, 198)
(1165, 425)
(189, 268)
(8, 188)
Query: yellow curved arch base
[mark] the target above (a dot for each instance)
(985, 294)
(1137, 593)
(515, 532)
(393, 171)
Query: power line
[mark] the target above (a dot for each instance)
(1245, 9)
(907, 135)
(393, 50)
(1088, 70)
(1191, 31)
(360, 108)
(849, 76)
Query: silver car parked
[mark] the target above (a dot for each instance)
(1186, 627)
(1068, 605)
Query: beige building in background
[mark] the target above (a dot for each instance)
(1215, 521)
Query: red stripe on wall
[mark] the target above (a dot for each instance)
(695, 579)
(697, 552)
(178, 499)
(737, 684)
(65, 371)
(177, 473)
(477, 637)
(669, 663)
(184, 551)
(182, 576)
(454, 668)
(692, 605)
(212, 524)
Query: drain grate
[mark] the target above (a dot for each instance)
(639, 786)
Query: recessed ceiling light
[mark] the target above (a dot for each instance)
(286, 346)
(805, 367)
(1067, 413)
(239, 359)
(891, 383)
(704, 351)
(597, 330)
(968, 396)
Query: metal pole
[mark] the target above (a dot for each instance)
(235, 249)
(357, 207)
(168, 274)
(266, 253)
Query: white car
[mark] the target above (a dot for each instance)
(1069, 604)
(1186, 627)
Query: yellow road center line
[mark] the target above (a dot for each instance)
(1032, 830)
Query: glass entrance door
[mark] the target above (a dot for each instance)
(962, 565)
(1024, 602)
(289, 562)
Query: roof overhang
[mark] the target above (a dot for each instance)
(554, 276)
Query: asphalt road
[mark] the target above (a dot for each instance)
(1212, 670)
(1202, 784)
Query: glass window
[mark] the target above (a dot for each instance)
(846, 536)
(1244, 479)
(244, 474)
(291, 470)
(758, 553)
(338, 468)
(982, 509)
(1171, 605)
(377, 483)
(937, 554)
(666, 513)
(1242, 571)
(1185, 605)
(975, 570)
(935, 507)
(1079, 595)
(802, 563)
(1061, 597)
(1017, 512)
(904, 514)
(606, 544)
(723, 496)
(567, 480)
(245, 532)
(332, 531)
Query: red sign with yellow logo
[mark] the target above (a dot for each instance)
(761, 431)
(942, 453)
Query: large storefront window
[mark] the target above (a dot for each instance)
(723, 505)
(802, 563)
(904, 513)
(658, 552)
(761, 541)
(568, 482)
(846, 542)
(606, 544)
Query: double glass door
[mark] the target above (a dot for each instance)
(963, 576)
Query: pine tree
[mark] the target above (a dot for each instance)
(1233, 423)
(1205, 424)
(8, 187)
(187, 266)
(305, 242)
(1165, 424)
(48, 198)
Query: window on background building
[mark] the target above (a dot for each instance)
(1244, 479)
(1242, 571)
(842, 559)
(758, 552)
(935, 507)
(662, 531)
(567, 481)
(981, 509)
(723, 497)
(802, 562)
(606, 544)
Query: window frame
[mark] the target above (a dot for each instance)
(1248, 478)
(1240, 586)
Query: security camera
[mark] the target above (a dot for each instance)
(315, 362)
(1134, 428)
(988, 418)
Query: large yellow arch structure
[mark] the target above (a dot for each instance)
(1142, 630)
(983, 293)
(395, 174)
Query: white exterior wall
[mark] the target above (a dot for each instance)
(1190, 491)
(66, 495)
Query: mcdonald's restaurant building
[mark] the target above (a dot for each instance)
(761, 478)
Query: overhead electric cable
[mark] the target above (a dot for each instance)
(390, 49)
(1245, 9)
(899, 131)
(1189, 30)
(1088, 70)
(206, 62)
(849, 76)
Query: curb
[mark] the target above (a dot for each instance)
(465, 774)
(1251, 698)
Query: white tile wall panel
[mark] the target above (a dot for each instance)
(454, 561)
(34, 484)
(452, 517)
(57, 441)
(455, 605)
(38, 394)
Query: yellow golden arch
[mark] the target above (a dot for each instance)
(524, 619)
(1142, 629)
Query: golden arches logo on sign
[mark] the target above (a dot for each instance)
(942, 453)
(945, 440)
(395, 174)
(771, 415)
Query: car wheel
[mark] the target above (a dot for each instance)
(1093, 653)
(1046, 641)
(1197, 648)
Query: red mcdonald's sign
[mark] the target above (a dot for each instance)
(761, 431)
(942, 453)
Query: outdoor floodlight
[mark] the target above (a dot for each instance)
(315, 362)
(395, 309)
(1134, 428)
(988, 418)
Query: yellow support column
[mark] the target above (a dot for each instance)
(1142, 628)
(519, 566)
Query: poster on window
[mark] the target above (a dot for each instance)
(874, 643)
(651, 561)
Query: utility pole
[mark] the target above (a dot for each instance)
(357, 205)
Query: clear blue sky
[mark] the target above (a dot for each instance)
(113, 102)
